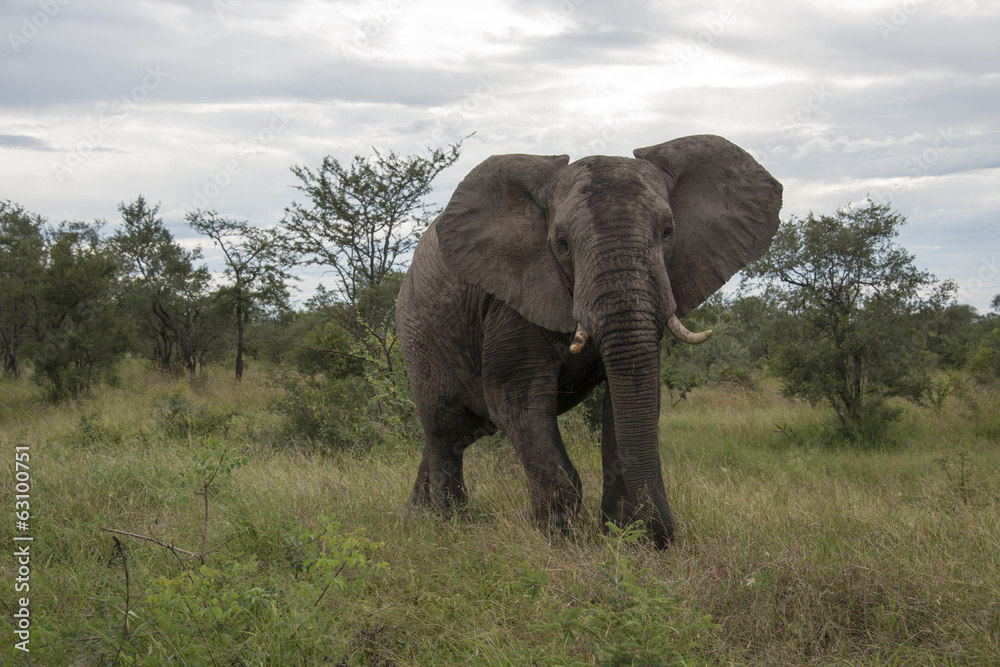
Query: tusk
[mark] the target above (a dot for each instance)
(579, 340)
(682, 334)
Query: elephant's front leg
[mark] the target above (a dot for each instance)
(521, 365)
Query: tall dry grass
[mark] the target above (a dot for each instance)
(802, 548)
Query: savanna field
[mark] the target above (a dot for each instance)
(247, 545)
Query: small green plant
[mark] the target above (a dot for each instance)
(337, 562)
(635, 620)
(205, 614)
(958, 471)
(223, 614)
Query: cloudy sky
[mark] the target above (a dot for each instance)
(207, 103)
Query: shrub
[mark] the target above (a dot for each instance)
(180, 416)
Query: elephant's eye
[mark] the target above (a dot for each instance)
(668, 232)
(562, 243)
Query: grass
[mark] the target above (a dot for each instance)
(803, 550)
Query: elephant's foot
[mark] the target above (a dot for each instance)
(439, 490)
(617, 508)
(557, 509)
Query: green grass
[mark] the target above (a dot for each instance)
(802, 549)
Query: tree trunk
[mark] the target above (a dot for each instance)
(239, 341)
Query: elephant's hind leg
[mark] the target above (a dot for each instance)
(440, 483)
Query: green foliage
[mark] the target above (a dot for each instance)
(634, 619)
(94, 431)
(725, 357)
(240, 613)
(592, 408)
(78, 336)
(201, 616)
(212, 465)
(257, 262)
(22, 267)
(335, 562)
(851, 315)
(165, 296)
(180, 416)
(352, 390)
(323, 337)
(237, 612)
(362, 220)
(984, 359)
(321, 409)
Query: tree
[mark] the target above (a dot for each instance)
(984, 357)
(77, 332)
(256, 265)
(22, 264)
(363, 219)
(853, 306)
(167, 295)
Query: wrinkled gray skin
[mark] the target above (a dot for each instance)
(530, 247)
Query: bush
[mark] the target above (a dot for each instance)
(179, 416)
(984, 362)
(321, 409)
(854, 311)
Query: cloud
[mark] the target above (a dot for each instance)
(834, 104)
(24, 142)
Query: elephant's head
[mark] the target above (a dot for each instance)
(614, 249)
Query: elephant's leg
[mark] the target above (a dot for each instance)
(520, 381)
(447, 433)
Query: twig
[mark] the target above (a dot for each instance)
(390, 605)
(180, 561)
(171, 547)
(222, 544)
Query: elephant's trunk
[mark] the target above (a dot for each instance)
(631, 354)
(632, 367)
(623, 305)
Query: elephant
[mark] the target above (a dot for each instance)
(541, 279)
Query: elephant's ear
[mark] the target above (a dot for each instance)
(725, 207)
(493, 233)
